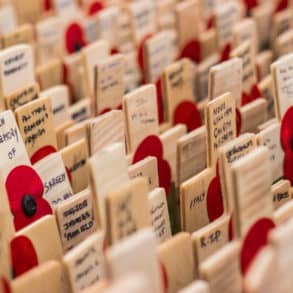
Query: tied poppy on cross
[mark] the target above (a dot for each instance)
(23, 255)
(254, 94)
(215, 205)
(94, 8)
(152, 146)
(281, 5)
(255, 239)
(187, 113)
(225, 53)
(74, 38)
(192, 51)
(287, 143)
(25, 195)
(42, 153)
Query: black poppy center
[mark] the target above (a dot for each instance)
(77, 47)
(29, 205)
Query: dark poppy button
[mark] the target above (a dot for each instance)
(77, 47)
(29, 205)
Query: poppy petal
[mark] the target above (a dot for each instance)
(238, 121)
(150, 146)
(255, 93)
(95, 7)
(165, 174)
(20, 181)
(42, 153)
(225, 54)
(250, 4)
(255, 239)
(282, 5)
(21, 220)
(114, 51)
(288, 166)
(47, 5)
(164, 277)
(231, 228)
(68, 174)
(160, 100)
(5, 285)
(287, 130)
(187, 113)
(192, 51)
(210, 22)
(23, 255)
(215, 206)
(140, 56)
(245, 99)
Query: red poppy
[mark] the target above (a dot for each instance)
(282, 5)
(249, 4)
(5, 285)
(47, 5)
(140, 56)
(114, 51)
(287, 130)
(160, 103)
(25, 194)
(210, 22)
(288, 166)
(254, 94)
(164, 277)
(42, 153)
(187, 113)
(152, 146)
(109, 109)
(192, 51)
(23, 255)
(95, 7)
(225, 54)
(68, 175)
(256, 238)
(215, 205)
(287, 143)
(74, 38)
